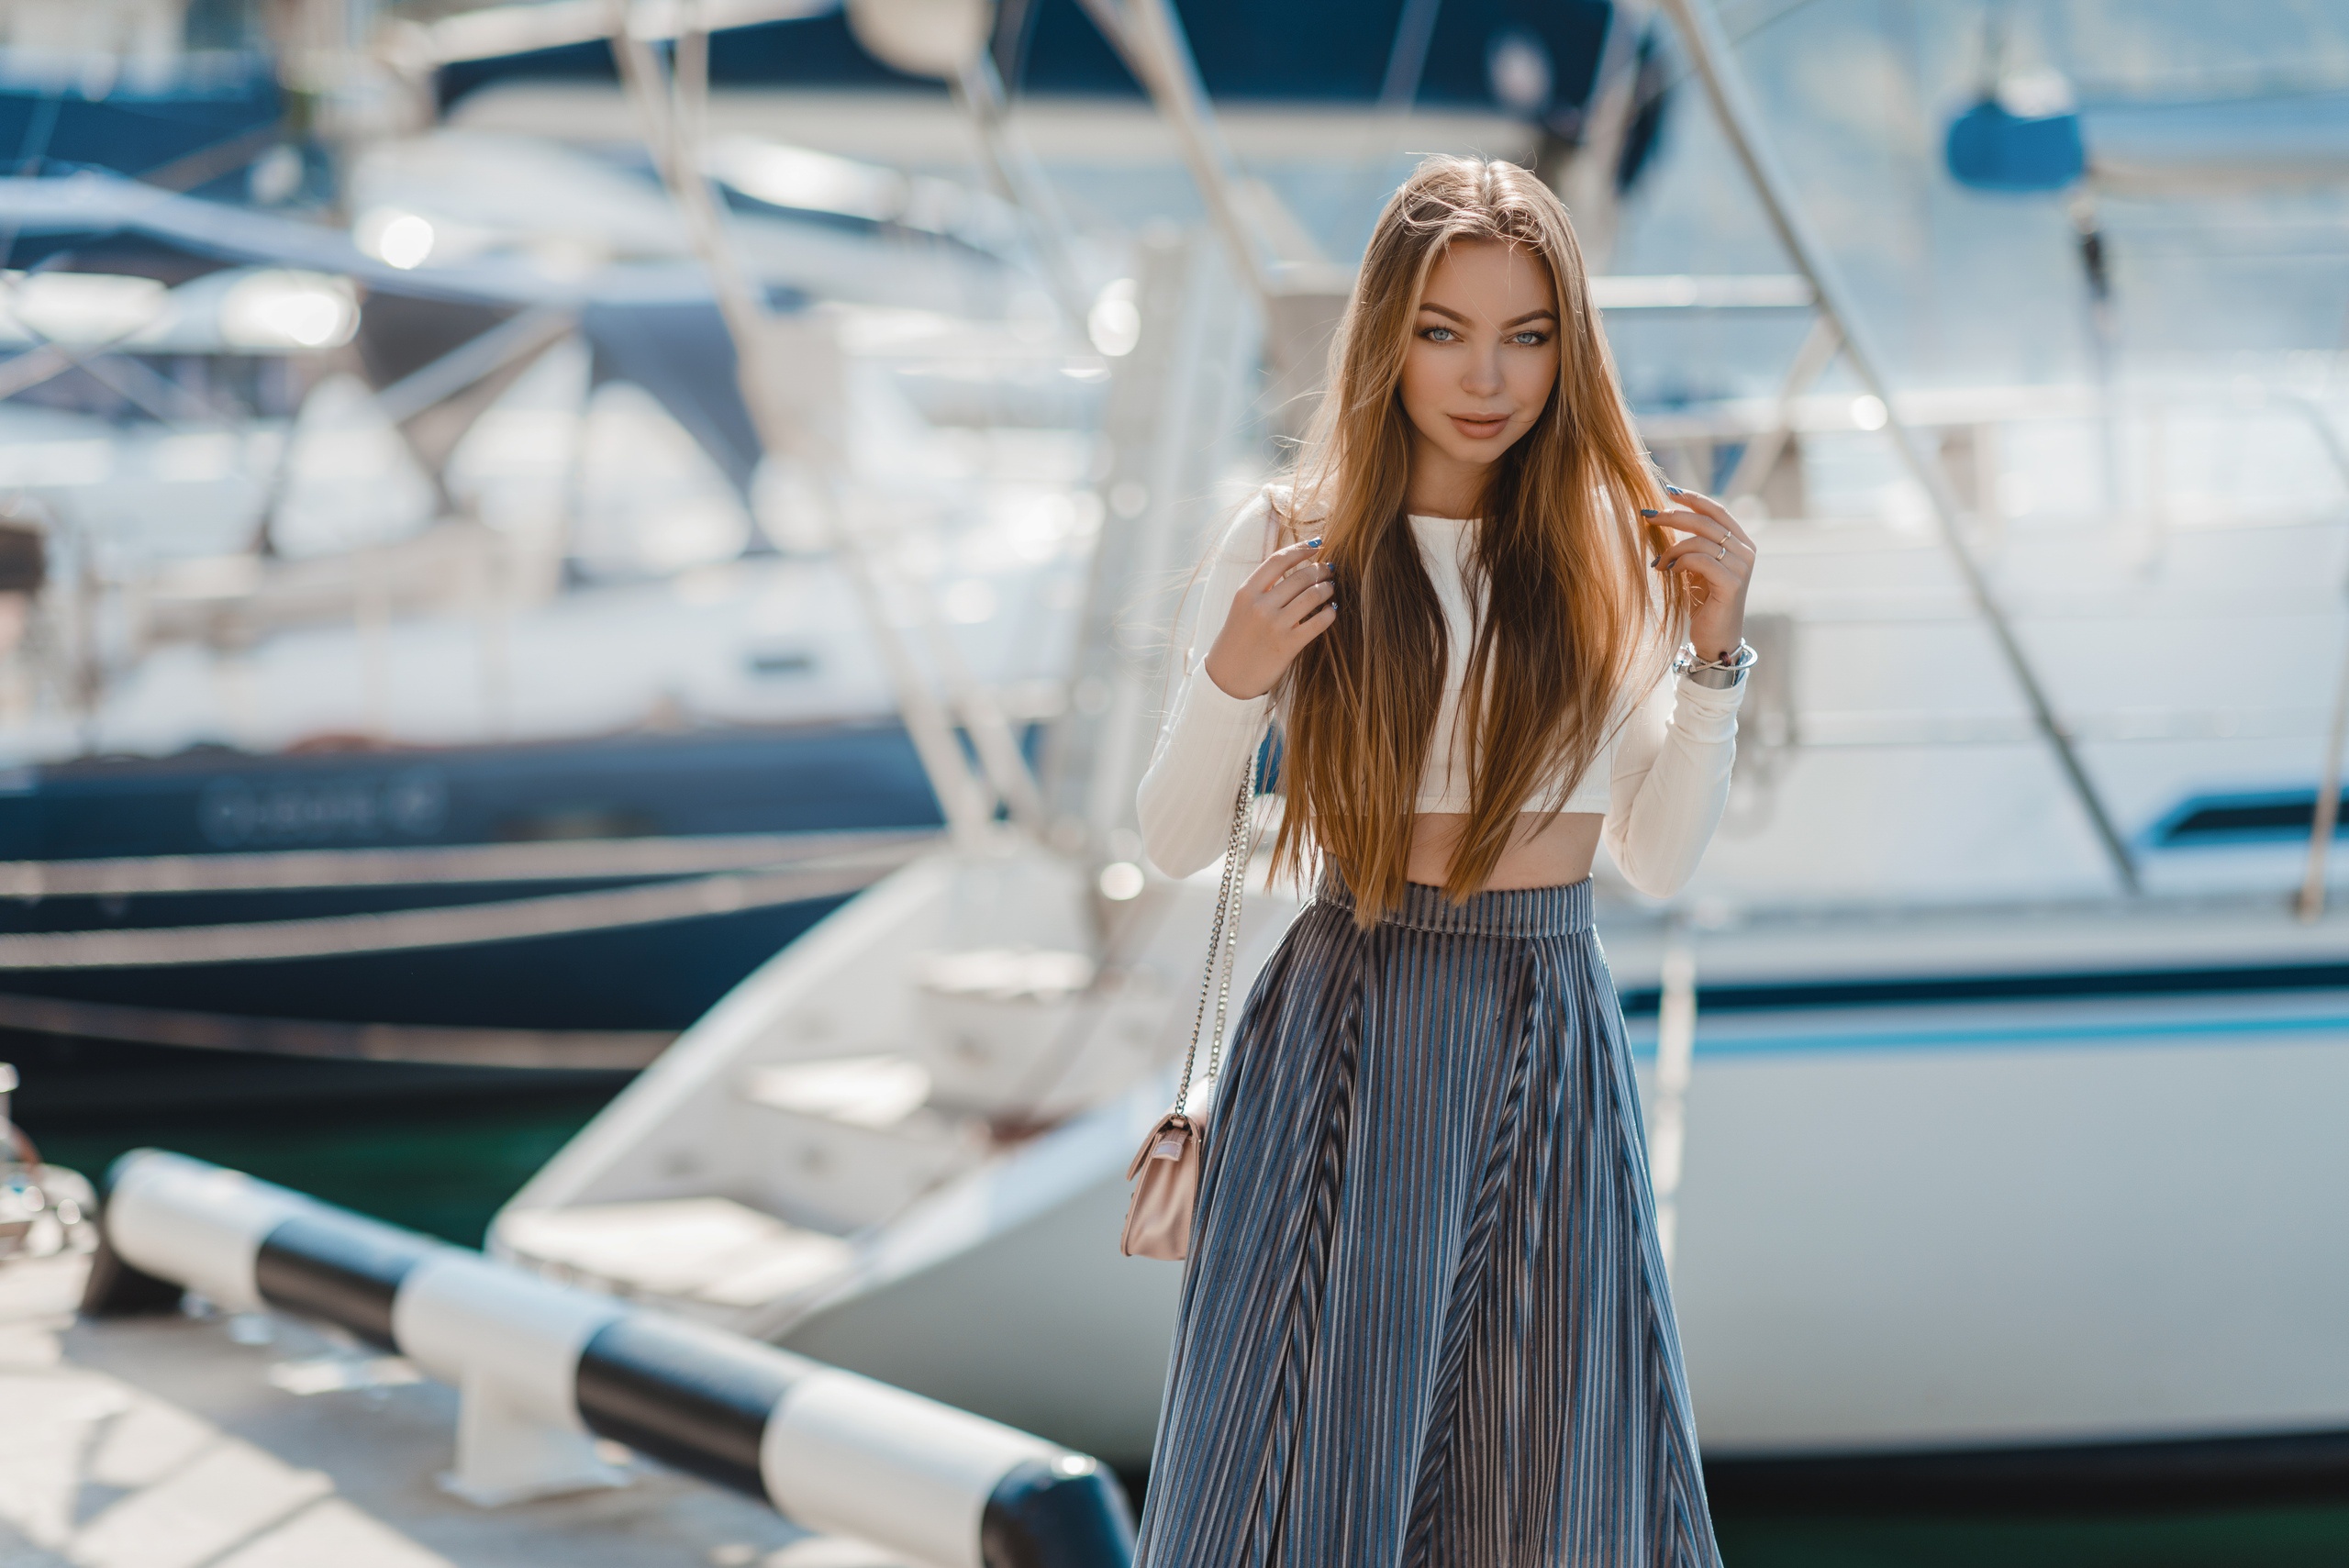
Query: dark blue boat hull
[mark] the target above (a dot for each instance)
(647, 977)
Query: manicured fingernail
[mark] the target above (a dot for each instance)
(1647, 511)
(1673, 490)
(1314, 543)
(1657, 560)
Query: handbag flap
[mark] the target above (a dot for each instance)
(1174, 1126)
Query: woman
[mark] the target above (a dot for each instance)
(1425, 1319)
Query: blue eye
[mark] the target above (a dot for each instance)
(1437, 334)
(1533, 339)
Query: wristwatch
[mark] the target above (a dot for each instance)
(1719, 674)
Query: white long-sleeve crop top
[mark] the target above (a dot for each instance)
(1661, 779)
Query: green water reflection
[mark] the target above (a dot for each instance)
(442, 1171)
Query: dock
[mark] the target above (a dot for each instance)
(260, 1441)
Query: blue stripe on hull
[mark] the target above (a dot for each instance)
(2249, 1018)
(2201, 1033)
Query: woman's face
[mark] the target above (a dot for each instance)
(1484, 352)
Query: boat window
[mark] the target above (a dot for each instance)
(2244, 819)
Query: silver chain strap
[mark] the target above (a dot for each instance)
(1223, 940)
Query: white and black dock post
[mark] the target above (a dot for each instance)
(545, 1369)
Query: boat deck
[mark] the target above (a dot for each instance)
(259, 1442)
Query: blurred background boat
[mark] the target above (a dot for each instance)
(392, 491)
(2010, 869)
(466, 555)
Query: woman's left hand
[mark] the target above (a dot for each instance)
(1717, 556)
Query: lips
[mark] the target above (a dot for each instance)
(1477, 428)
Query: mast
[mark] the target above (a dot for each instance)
(778, 405)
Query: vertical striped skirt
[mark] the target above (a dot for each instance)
(1425, 1322)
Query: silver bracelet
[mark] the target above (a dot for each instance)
(1721, 674)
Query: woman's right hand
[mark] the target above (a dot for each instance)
(1285, 604)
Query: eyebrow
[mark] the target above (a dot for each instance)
(1542, 315)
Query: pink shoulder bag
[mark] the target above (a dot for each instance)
(1166, 1168)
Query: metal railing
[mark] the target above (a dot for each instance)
(546, 1369)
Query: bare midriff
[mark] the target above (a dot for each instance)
(1548, 848)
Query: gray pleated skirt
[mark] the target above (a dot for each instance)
(1425, 1323)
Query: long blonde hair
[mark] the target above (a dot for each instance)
(1561, 556)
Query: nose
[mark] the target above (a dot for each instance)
(1483, 377)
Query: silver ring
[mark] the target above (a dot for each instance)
(1722, 553)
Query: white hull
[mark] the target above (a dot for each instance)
(2090, 1205)
(1903, 1225)
(1989, 1226)
(1932, 1230)
(945, 1244)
